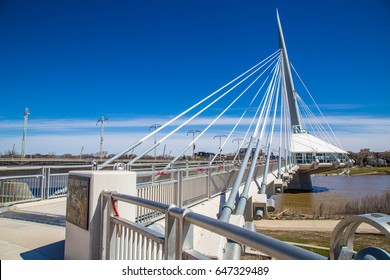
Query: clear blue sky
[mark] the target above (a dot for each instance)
(72, 61)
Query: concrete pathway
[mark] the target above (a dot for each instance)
(33, 231)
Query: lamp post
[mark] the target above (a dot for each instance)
(220, 136)
(102, 120)
(154, 127)
(193, 138)
(25, 117)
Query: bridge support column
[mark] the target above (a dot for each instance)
(300, 182)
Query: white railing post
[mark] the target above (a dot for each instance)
(47, 187)
(178, 234)
(209, 193)
(43, 183)
(180, 184)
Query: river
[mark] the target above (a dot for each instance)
(332, 193)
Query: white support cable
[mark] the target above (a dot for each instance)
(253, 99)
(306, 111)
(275, 109)
(265, 97)
(265, 106)
(194, 116)
(316, 124)
(139, 142)
(280, 136)
(265, 124)
(319, 128)
(251, 124)
(287, 129)
(228, 207)
(270, 100)
(287, 126)
(217, 118)
(244, 195)
(318, 108)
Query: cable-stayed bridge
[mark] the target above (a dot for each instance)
(280, 121)
(205, 210)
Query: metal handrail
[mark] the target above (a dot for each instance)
(268, 245)
(154, 205)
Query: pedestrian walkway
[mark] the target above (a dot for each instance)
(33, 231)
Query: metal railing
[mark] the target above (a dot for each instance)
(122, 239)
(188, 186)
(34, 183)
(185, 185)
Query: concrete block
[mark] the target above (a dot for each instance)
(286, 177)
(214, 245)
(237, 220)
(278, 185)
(259, 206)
(82, 241)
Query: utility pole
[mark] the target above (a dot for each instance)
(102, 120)
(154, 127)
(220, 136)
(193, 138)
(238, 146)
(26, 114)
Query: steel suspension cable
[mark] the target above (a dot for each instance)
(318, 108)
(139, 142)
(266, 168)
(193, 117)
(217, 118)
(228, 207)
(244, 195)
(234, 128)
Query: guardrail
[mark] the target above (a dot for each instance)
(122, 239)
(34, 183)
(184, 185)
(187, 186)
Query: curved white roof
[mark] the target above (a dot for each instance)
(306, 143)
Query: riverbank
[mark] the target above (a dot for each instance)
(358, 171)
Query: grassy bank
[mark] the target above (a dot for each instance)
(367, 204)
(323, 239)
(309, 239)
(361, 171)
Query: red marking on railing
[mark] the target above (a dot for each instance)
(116, 213)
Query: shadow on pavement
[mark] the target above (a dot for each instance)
(54, 251)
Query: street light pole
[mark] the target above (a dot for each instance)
(220, 136)
(101, 120)
(154, 127)
(193, 138)
(26, 114)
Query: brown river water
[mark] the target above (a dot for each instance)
(332, 193)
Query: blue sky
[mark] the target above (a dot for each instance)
(143, 62)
